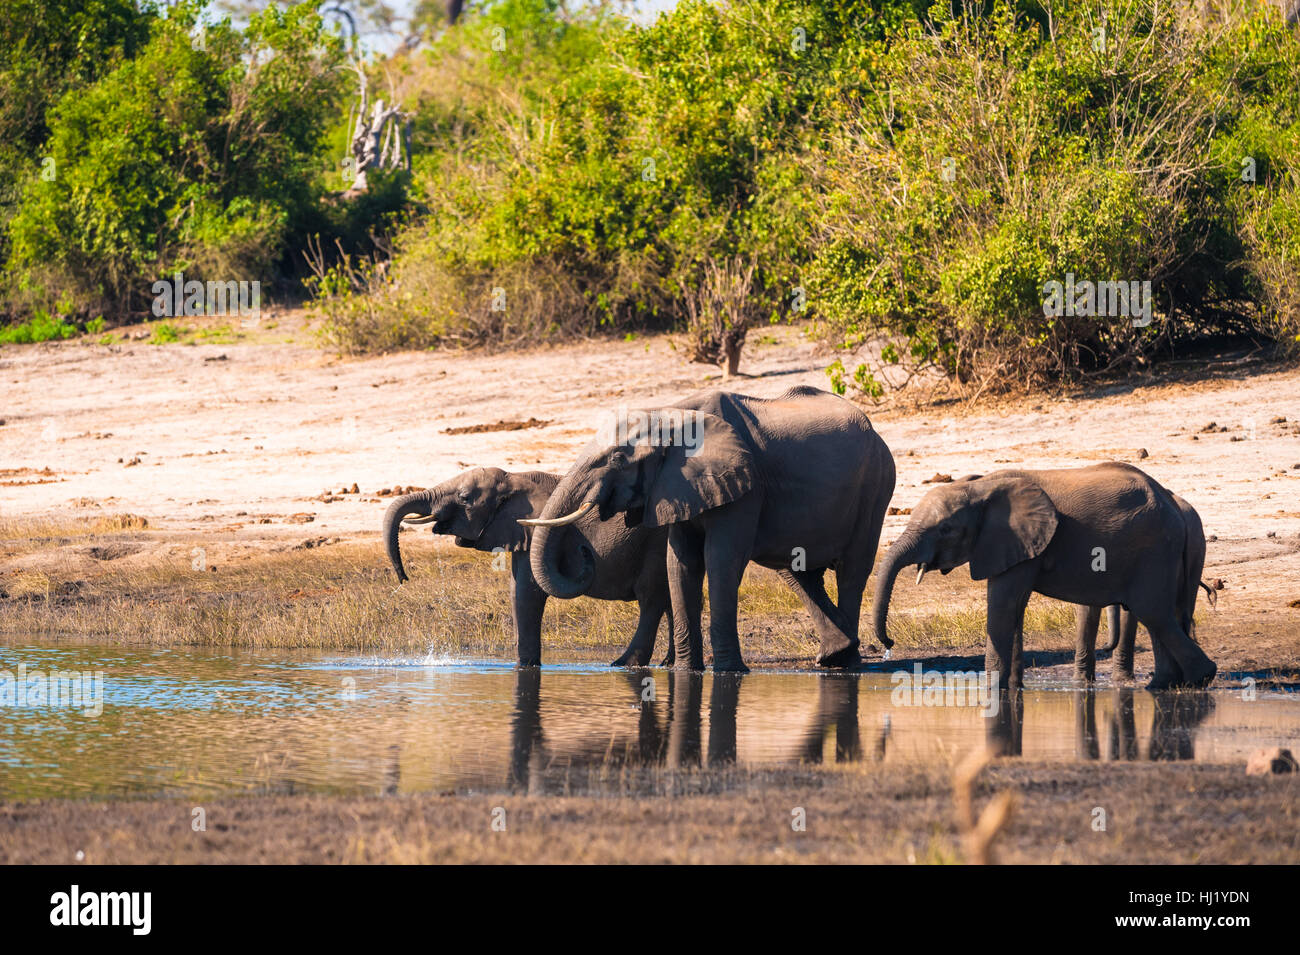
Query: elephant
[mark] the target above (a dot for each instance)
(798, 483)
(1096, 536)
(482, 509)
(1122, 625)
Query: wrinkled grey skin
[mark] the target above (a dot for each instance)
(1038, 531)
(1122, 625)
(482, 507)
(799, 484)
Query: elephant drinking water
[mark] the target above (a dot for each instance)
(798, 483)
(1100, 535)
(483, 508)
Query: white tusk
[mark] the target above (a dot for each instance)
(920, 572)
(557, 521)
(419, 520)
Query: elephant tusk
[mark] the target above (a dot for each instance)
(419, 520)
(920, 572)
(558, 521)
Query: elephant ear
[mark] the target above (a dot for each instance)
(1019, 521)
(504, 530)
(718, 470)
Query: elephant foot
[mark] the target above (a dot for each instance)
(1086, 676)
(632, 658)
(530, 662)
(730, 666)
(841, 659)
(1204, 677)
(669, 659)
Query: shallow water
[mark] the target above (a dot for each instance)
(191, 723)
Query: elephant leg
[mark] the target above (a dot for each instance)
(1190, 666)
(686, 590)
(1008, 595)
(725, 569)
(1167, 672)
(838, 649)
(1086, 622)
(642, 645)
(527, 602)
(1126, 624)
(671, 656)
(850, 584)
(652, 596)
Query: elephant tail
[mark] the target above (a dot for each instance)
(1211, 592)
(1187, 582)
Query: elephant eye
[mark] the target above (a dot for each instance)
(618, 460)
(463, 495)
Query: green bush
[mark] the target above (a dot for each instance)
(194, 156)
(1012, 155)
(42, 327)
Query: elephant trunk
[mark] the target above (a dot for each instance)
(906, 551)
(556, 550)
(419, 504)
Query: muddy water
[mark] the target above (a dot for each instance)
(177, 722)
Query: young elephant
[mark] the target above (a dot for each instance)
(798, 483)
(1122, 625)
(1101, 535)
(482, 509)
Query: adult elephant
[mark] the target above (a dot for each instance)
(482, 509)
(1122, 625)
(798, 483)
(1100, 535)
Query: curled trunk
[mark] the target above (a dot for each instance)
(562, 562)
(903, 554)
(419, 504)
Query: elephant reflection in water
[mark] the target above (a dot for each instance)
(837, 706)
(1174, 722)
(676, 745)
(678, 742)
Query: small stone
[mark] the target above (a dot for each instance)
(1271, 761)
(1142, 453)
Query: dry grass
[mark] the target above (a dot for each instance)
(344, 596)
(27, 534)
(858, 813)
